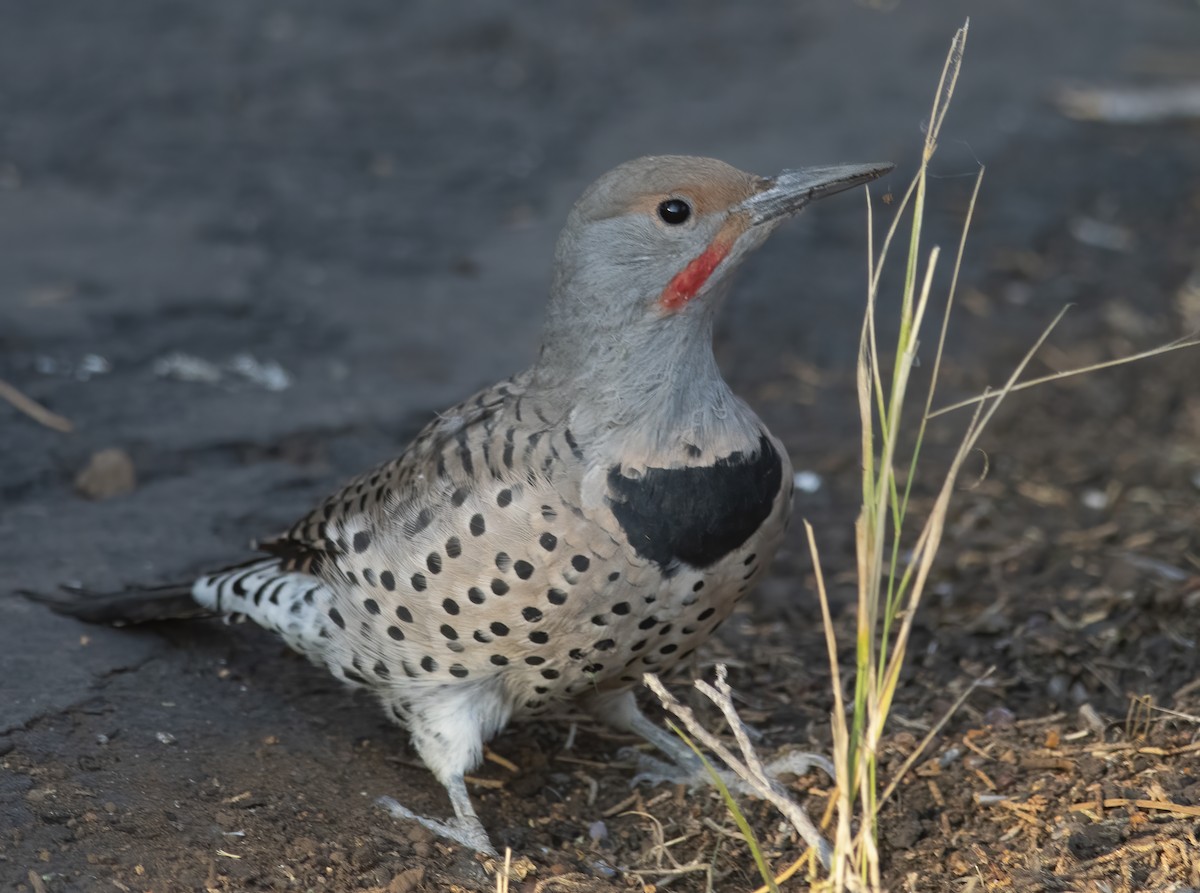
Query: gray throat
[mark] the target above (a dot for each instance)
(656, 385)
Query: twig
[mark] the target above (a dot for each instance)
(1114, 802)
(33, 409)
(758, 781)
(1130, 105)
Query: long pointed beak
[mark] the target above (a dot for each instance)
(792, 190)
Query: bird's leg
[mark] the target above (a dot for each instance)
(448, 735)
(465, 828)
(622, 713)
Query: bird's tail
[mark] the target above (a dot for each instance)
(293, 604)
(135, 604)
(153, 604)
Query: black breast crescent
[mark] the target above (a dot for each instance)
(696, 515)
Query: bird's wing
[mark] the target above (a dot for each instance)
(446, 454)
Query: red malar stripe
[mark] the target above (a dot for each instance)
(688, 281)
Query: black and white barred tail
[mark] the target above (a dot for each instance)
(291, 604)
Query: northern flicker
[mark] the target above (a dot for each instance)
(560, 533)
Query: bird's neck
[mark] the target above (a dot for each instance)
(658, 384)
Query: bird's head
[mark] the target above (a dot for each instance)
(652, 239)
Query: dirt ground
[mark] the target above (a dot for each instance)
(367, 196)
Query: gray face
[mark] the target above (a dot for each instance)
(654, 237)
(650, 239)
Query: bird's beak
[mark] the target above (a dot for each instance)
(792, 190)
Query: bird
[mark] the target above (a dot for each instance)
(559, 534)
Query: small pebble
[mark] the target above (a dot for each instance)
(999, 717)
(407, 881)
(108, 473)
(164, 737)
(948, 758)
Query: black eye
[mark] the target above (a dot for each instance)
(674, 211)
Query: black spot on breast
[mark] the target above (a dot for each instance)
(415, 525)
(696, 515)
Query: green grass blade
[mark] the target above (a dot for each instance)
(739, 818)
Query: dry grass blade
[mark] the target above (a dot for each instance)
(33, 409)
(807, 859)
(1192, 340)
(502, 876)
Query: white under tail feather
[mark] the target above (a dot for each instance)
(291, 604)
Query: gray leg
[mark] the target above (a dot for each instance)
(622, 713)
(447, 728)
(465, 828)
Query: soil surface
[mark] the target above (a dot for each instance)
(249, 248)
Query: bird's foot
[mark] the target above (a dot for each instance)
(693, 773)
(799, 762)
(466, 831)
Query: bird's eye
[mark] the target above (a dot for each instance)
(674, 211)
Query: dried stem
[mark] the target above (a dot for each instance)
(33, 409)
(749, 768)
